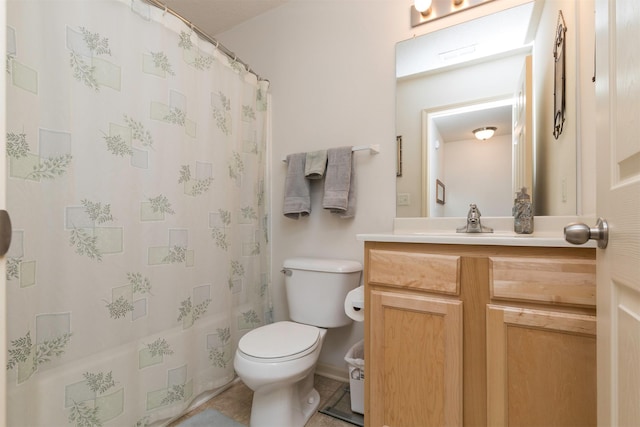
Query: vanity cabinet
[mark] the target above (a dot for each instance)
(479, 335)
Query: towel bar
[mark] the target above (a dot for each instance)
(373, 149)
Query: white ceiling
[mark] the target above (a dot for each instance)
(217, 16)
(460, 126)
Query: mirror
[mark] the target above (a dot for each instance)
(493, 71)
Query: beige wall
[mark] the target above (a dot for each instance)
(467, 181)
(331, 68)
(331, 64)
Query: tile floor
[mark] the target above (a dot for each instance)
(235, 403)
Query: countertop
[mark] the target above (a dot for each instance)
(548, 232)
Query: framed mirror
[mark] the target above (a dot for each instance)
(476, 62)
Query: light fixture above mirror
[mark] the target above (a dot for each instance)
(484, 133)
(423, 6)
(424, 11)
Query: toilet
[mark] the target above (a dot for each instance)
(277, 361)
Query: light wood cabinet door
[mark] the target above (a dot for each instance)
(541, 367)
(414, 360)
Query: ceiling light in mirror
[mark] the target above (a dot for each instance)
(484, 133)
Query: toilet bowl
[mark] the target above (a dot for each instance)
(277, 361)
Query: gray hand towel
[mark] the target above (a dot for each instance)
(351, 201)
(315, 164)
(297, 200)
(337, 184)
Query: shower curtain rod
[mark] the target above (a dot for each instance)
(204, 35)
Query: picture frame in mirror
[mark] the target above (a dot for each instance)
(440, 192)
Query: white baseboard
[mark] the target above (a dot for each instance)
(338, 374)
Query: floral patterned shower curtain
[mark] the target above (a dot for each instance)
(137, 188)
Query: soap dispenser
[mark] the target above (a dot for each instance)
(523, 213)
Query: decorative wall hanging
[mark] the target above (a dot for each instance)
(559, 77)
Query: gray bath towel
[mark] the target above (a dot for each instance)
(297, 200)
(315, 164)
(339, 184)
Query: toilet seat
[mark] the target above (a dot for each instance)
(279, 342)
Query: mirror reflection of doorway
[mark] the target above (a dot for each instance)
(474, 171)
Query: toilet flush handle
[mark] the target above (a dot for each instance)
(286, 272)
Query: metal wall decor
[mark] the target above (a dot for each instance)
(559, 77)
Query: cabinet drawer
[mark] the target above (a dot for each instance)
(544, 280)
(432, 272)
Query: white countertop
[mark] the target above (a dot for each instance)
(548, 232)
(498, 239)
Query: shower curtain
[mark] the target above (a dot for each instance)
(138, 194)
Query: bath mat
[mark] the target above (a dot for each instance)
(210, 418)
(339, 406)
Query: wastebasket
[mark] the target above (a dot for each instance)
(355, 359)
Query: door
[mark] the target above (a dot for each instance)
(415, 375)
(540, 367)
(522, 118)
(3, 200)
(618, 200)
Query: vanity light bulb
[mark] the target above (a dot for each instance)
(422, 6)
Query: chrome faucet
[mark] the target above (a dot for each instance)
(473, 222)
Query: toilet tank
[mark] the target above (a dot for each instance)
(316, 289)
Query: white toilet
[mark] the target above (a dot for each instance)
(277, 361)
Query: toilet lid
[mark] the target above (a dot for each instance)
(278, 340)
